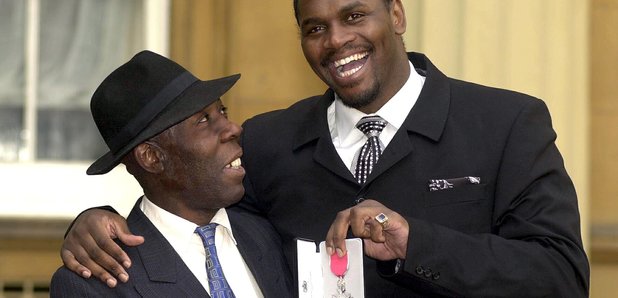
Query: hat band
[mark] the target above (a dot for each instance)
(170, 92)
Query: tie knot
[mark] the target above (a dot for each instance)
(371, 125)
(207, 233)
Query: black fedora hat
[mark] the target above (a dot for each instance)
(144, 97)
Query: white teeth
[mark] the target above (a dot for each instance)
(349, 59)
(350, 72)
(234, 164)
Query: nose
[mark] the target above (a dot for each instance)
(232, 131)
(337, 36)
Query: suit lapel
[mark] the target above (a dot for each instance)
(327, 156)
(314, 128)
(253, 254)
(427, 117)
(399, 147)
(429, 114)
(161, 262)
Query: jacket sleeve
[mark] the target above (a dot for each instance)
(534, 248)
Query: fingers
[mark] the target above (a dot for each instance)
(89, 248)
(117, 229)
(386, 235)
(362, 224)
(108, 258)
(79, 260)
(375, 230)
(362, 219)
(120, 229)
(71, 262)
(131, 240)
(335, 238)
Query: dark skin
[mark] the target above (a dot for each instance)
(184, 170)
(354, 46)
(365, 32)
(364, 35)
(190, 162)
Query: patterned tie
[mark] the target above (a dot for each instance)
(219, 288)
(369, 154)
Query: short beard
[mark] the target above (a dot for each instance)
(362, 100)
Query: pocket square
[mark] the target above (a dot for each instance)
(441, 184)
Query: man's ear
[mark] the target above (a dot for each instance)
(150, 156)
(398, 17)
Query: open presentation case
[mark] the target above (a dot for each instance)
(316, 277)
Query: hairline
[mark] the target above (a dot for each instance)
(295, 4)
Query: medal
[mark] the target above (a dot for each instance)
(339, 266)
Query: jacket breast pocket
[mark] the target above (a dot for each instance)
(459, 195)
(466, 208)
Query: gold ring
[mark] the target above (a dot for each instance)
(382, 219)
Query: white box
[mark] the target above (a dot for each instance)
(315, 279)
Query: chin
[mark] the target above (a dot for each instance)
(357, 103)
(360, 97)
(236, 194)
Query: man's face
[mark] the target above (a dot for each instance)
(204, 159)
(355, 47)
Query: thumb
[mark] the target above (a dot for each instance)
(130, 239)
(122, 232)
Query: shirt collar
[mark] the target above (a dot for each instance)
(176, 228)
(343, 119)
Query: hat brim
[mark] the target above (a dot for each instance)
(195, 98)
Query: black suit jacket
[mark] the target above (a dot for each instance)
(158, 271)
(515, 234)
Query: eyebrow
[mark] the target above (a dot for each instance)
(310, 21)
(345, 9)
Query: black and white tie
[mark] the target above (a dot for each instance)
(369, 154)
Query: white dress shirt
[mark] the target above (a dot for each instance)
(180, 233)
(342, 119)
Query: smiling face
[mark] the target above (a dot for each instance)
(355, 47)
(202, 163)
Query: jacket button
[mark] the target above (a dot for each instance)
(436, 276)
(428, 273)
(419, 270)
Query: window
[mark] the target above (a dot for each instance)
(55, 53)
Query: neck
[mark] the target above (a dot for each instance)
(176, 204)
(402, 74)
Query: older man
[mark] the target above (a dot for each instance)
(171, 131)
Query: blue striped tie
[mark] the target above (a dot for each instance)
(219, 288)
(369, 154)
